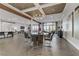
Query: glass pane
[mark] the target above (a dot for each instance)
(34, 29)
(76, 24)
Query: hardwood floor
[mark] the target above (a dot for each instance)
(19, 46)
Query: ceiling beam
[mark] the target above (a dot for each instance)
(42, 6)
(39, 8)
(36, 21)
(14, 10)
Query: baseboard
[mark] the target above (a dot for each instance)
(74, 42)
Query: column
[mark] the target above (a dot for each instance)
(56, 26)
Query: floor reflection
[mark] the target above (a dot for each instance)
(19, 46)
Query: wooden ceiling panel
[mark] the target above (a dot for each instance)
(22, 6)
(54, 9)
(34, 13)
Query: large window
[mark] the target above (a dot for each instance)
(48, 27)
(34, 28)
(5, 26)
(76, 24)
(70, 25)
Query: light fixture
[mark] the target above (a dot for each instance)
(37, 16)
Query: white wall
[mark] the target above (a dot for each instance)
(67, 11)
(10, 17)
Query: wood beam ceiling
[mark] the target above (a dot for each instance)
(13, 11)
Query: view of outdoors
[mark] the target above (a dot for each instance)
(48, 27)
